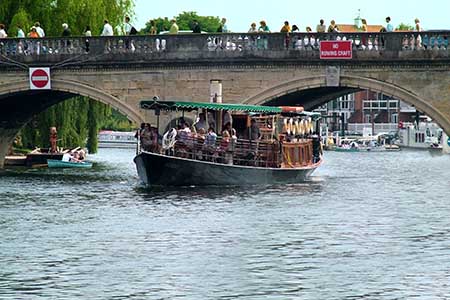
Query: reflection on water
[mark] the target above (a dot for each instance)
(367, 225)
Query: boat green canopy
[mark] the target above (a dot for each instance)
(182, 105)
(188, 106)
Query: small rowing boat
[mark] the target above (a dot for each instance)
(54, 163)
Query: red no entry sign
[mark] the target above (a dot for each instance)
(336, 50)
(40, 79)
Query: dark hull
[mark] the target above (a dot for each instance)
(156, 169)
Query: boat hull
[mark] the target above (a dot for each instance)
(52, 163)
(157, 169)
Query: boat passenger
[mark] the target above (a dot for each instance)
(255, 133)
(199, 142)
(146, 137)
(75, 157)
(225, 149)
(67, 156)
(81, 154)
(138, 132)
(201, 123)
(185, 140)
(210, 142)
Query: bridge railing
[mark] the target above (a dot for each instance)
(188, 46)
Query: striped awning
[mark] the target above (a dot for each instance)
(188, 106)
(182, 105)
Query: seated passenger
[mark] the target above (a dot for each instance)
(82, 154)
(199, 142)
(67, 156)
(210, 142)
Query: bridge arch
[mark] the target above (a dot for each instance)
(355, 83)
(61, 89)
(77, 88)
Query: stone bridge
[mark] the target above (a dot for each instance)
(254, 68)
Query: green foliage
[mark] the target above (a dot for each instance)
(118, 122)
(52, 14)
(77, 120)
(404, 27)
(185, 21)
(21, 18)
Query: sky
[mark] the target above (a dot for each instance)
(433, 14)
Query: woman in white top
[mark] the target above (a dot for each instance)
(417, 27)
(3, 34)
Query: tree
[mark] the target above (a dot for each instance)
(78, 119)
(52, 14)
(185, 21)
(404, 27)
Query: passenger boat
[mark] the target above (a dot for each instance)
(287, 149)
(422, 135)
(116, 139)
(54, 163)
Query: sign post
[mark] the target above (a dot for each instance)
(336, 50)
(40, 79)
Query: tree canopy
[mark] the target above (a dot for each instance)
(185, 21)
(52, 14)
(404, 27)
(78, 119)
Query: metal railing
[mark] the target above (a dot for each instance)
(224, 45)
(378, 127)
(233, 151)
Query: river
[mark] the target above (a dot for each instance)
(367, 226)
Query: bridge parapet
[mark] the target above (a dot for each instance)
(190, 47)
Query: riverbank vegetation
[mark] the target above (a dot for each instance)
(78, 119)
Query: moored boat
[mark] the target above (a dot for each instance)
(286, 150)
(116, 139)
(54, 163)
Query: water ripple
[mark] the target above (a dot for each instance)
(366, 226)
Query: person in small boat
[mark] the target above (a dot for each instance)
(76, 157)
(71, 156)
(53, 140)
(354, 145)
(81, 155)
(67, 156)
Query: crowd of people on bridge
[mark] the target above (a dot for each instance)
(36, 31)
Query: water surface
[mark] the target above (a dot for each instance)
(367, 226)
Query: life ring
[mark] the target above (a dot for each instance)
(169, 139)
